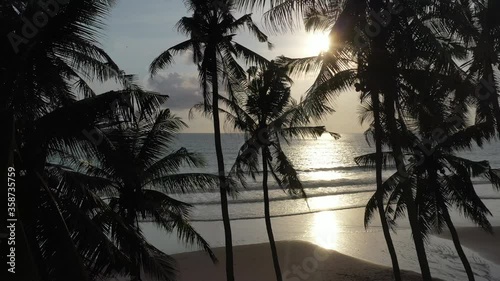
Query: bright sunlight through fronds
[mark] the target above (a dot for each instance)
(317, 42)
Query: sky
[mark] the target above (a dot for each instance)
(138, 31)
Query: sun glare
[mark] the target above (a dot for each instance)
(317, 42)
(325, 230)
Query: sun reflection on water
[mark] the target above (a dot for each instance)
(325, 230)
(317, 153)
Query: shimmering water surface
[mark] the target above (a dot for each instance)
(326, 166)
(337, 191)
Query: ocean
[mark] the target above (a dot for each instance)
(332, 217)
(326, 167)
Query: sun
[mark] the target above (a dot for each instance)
(317, 42)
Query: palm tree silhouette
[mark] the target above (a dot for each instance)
(49, 239)
(42, 69)
(479, 31)
(264, 110)
(379, 193)
(438, 177)
(380, 63)
(135, 169)
(211, 30)
(441, 180)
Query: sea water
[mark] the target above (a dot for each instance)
(336, 189)
(326, 167)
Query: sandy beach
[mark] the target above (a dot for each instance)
(485, 244)
(354, 253)
(299, 261)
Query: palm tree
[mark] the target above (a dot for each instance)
(47, 53)
(51, 244)
(136, 171)
(43, 66)
(402, 45)
(441, 180)
(480, 31)
(211, 30)
(429, 156)
(379, 193)
(265, 112)
(379, 66)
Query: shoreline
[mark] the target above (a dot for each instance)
(299, 260)
(343, 232)
(479, 241)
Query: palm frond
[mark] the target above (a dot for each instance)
(156, 137)
(166, 58)
(284, 173)
(184, 182)
(251, 58)
(370, 208)
(369, 160)
(157, 264)
(493, 176)
(325, 89)
(173, 162)
(302, 132)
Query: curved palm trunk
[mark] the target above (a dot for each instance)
(489, 72)
(131, 219)
(433, 176)
(223, 186)
(28, 200)
(380, 190)
(412, 209)
(492, 95)
(135, 271)
(458, 246)
(267, 216)
(381, 78)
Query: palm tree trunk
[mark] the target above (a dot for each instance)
(381, 78)
(489, 76)
(380, 189)
(28, 200)
(28, 259)
(490, 72)
(267, 216)
(418, 239)
(135, 271)
(458, 246)
(223, 186)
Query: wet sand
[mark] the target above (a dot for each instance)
(483, 243)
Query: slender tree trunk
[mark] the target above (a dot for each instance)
(381, 77)
(267, 216)
(223, 186)
(491, 93)
(407, 192)
(380, 189)
(28, 196)
(135, 271)
(490, 72)
(458, 246)
(29, 256)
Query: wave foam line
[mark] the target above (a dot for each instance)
(283, 215)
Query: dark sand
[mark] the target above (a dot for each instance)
(299, 261)
(485, 244)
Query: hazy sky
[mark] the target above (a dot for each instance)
(138, 31)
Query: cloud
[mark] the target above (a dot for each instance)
(184, 91)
